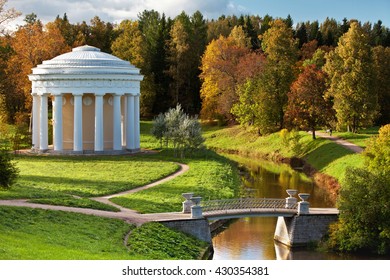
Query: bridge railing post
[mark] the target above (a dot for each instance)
(291, 200)
(196, 209)
(303, 205)
(188, 203)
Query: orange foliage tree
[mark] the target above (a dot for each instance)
(307, 108)
(31, 44)
(227, 63)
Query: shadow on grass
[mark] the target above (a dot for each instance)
(321, 156)
(146, 206)
(80, 187)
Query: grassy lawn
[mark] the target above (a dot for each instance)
(79, 202)
(330, 158)
(167, 244)
(58, 179)
(210, 176)
(34, 234)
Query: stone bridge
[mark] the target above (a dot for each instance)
(297, 224)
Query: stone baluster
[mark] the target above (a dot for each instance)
(291, 200)
(188, 203)
(303, 205)
(196, 209)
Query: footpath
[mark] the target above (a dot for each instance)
(128, 215)
(341, 142)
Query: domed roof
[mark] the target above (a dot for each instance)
(85, 60)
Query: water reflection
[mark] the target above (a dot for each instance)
(246, 239)
(252, 238)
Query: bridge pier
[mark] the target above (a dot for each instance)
(301, 230)
(198, 228)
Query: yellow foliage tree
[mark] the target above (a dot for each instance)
(31, 45)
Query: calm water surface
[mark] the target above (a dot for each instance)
(252, 238)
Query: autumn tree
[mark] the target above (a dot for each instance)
(6, 15)
(31, 44)
(251, 110)
(281, 52)
(307, 108)
(129, 46)
(217, 28)
(382, 82)
(219, 75)
(351, 80)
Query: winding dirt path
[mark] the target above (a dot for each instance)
(128, 215)
(341, 142)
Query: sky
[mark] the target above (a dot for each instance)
(117, 10)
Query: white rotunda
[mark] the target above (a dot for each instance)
(95, 103)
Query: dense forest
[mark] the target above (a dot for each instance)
(264, 72)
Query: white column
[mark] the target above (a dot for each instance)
(117, 136)
(57, 125)
(124, 121)
(99, 141)
(136, 122)
(78, 123)
(130, 140)
(35, 121)
(43, 127)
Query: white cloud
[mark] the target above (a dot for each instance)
(117, 10)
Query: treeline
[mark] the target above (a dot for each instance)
(258, 71)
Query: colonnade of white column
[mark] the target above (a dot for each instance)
(130, 122)
(117, 119)
(57, 123)
(78, 123)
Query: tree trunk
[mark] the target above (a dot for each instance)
(313, 132)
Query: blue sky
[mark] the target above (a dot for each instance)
(117, 10)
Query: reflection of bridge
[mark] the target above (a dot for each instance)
(297, 223)
(244, 207)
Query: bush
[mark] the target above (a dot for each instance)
(364, 223)
(178, 129)
(8, 170)
(291, 140)
(378, 151)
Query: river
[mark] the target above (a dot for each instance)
(252, 238)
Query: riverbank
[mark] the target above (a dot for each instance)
(322, 159)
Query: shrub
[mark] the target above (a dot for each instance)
(291, 140)
(364, 223)
(8, 170)
(377, 151)
(175, 127)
